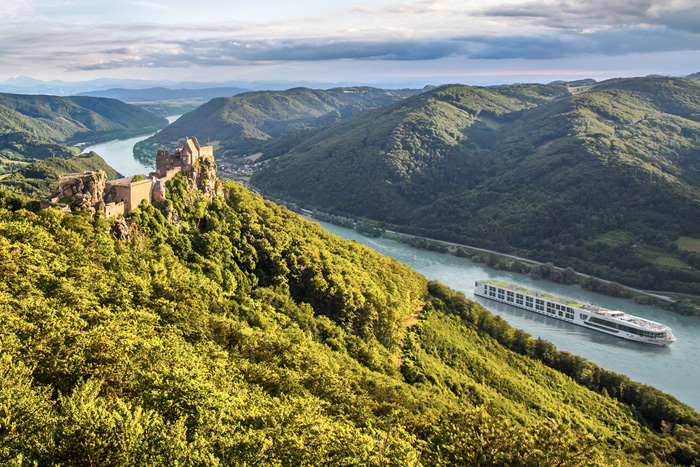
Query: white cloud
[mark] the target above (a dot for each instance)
(95, 36)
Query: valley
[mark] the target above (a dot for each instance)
(260, 276)
(279, 234)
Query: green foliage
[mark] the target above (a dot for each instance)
(246, 335)
(40, 179)
(19, 148)
(604, 181)
(74, 119)
(245, 123)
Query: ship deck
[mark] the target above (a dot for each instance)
(619, 315)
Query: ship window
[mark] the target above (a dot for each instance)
(510, 298)
(540, 302)
(510, 294)
(519, 297)
(569, 316)
(582, 316)
(528, 299)
(561, 314)
(602, 322)
(519, 301)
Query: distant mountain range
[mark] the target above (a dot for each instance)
(27, 85)
(606, 180)
(164, 94)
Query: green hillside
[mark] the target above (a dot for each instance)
(18, 149)
(242, 124)
(39, 179)
(247, 335)
(70, 120)
(527, 169)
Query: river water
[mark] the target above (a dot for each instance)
(119, 154)
(675, 370)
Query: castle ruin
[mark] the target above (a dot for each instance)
(91, 190)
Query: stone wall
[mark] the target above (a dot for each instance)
(140, 191)
(131, 194)
(114, 209)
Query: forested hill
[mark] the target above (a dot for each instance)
(606, 180)
(69, 120)
(39, 179)
(245, 335)
(242, 124)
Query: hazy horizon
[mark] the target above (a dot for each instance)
(349, 41)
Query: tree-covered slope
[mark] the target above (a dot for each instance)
(18, 149)
(74, 119)
(383, 161)
(40, 179)
(526, 168)
(244, 123)
(248, 335)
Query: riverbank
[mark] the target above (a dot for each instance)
(687, 305)
(673, 369)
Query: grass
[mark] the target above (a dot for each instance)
(616, 238)
(490, 123)
(253, 157)
(689, 244)
(660, 258)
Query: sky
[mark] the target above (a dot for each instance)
(365, 42)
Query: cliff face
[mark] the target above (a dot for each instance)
(78, 191)
(203, 178)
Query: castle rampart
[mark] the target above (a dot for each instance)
(117, 197)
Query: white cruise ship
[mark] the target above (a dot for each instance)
(613, 322)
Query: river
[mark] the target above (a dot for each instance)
(675, 370)
(119, 154)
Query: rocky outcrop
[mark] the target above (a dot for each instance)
(121, 230)
(203, 177)
(78, 191)
(88, 186)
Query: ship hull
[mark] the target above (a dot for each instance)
(565, 313)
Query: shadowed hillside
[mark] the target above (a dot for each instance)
(529, 169)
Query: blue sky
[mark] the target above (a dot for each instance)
(425, 41)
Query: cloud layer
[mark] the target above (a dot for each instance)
(72, 36)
